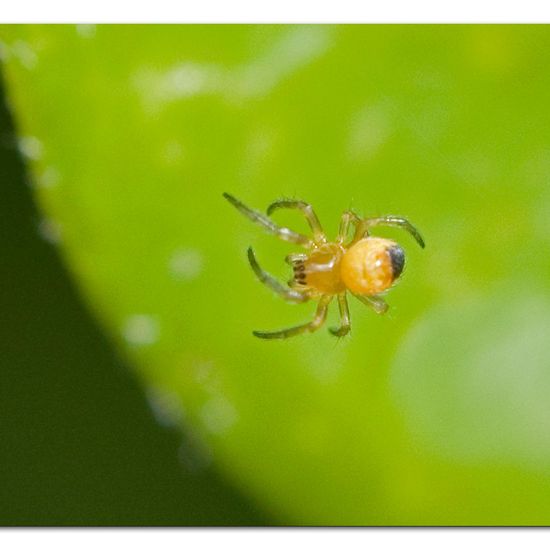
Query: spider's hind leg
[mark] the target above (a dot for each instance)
(363, 226)
(317, 322)
(377, 303)
(287, 293)
(345, 324)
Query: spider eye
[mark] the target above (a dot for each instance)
(397, 258)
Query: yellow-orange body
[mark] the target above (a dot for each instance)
(365, 268)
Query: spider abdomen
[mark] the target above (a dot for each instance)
(371, 265)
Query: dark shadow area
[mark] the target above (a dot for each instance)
(79, 443)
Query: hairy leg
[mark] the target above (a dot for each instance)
(293, 258)
(288, 294)
(307, 210)
(283, 233)
(363, 226)
(375, 302)
(345, 324)
(347, 217)
(317, 322)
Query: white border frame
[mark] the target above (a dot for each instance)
(273, 11)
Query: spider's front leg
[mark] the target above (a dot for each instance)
(283, 233)
(317, 322)
(291, 259)
(307, 210)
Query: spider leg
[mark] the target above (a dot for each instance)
(345, 324)
(283, 233)
(307, 210)
(363, 226)
(347, 217)
(293, 258)
(375, 302)
(313, 325)
(287, 293)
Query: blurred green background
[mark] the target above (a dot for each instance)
(437, 413)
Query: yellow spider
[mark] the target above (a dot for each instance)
(366, 266)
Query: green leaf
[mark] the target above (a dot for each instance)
(436, 413)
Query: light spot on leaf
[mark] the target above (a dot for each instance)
(50, 230)
(23, 52)
(166, 406)
(30, 147)
(86, 31)
(370, 130)
(298, 47)
(172, 153)
(48, 178)
(141, 330)
(218, 415)
(186, 264)
(471, 380)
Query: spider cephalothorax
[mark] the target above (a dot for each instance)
(366, 266)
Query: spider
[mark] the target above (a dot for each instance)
(366, 266)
